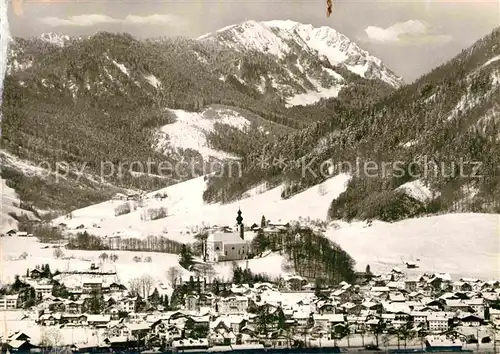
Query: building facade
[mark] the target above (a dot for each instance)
(9, 302)
(228, 245)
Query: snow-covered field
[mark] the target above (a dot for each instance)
(463, 245)
(187, 210)
(125, 267)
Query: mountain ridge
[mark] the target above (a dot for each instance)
(278, 37)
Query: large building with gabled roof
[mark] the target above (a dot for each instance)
(228, 245)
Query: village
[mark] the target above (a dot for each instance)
(379, 311)
(92, 310)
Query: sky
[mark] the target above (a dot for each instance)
(411, 37)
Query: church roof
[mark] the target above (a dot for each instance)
(228, 237)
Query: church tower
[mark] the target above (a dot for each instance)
(239, 225)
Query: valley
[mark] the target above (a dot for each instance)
(212, 193)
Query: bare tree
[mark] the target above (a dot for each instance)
(58, 253)
(50, 338)
(103, 257)
(141, 285)
(173, 274)
(148, 259)
(147, 283)
(134, 287)
(113, 258)
(137, 259)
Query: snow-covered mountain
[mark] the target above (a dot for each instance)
(57, 39)
(289, 39)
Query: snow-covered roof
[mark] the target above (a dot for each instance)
(226, 237)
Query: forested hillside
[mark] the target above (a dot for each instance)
(440, 120)
(309, 254)
(103, 99)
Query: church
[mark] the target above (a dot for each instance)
(228, 245)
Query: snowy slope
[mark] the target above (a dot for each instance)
(57, 39)
(9, 199)
(190, 129)
(125, 267)
(187, 210)
(463, 245)
(9, 203)
(418, 190)
(282, 38)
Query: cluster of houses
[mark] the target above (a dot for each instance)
(278, 314)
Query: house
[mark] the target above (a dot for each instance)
(85, 348)
(411, 265)
(228, 246)
(234, 305)
(20, 346)
(43, 290)
(98, 321)
(132, 196)
(419, 317)
(19, 336)
(457, 305)
(127, 304)
(328, 321)
(438, 322)
(74, 319)
(410, 285)
(494, 315)
(477, 305)
(327, 308)
(49, 319)
(197, 323)
(471, 320)
(36, 274)
(190, 345)
(114, 287)
(301, 318)
(73, 307)
(92, 285)
(22, 234)
(396, 297)
(119, 196)
(166, 332)
(11, 232)
(9, 302)
(113, 312)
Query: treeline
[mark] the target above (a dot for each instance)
(63, 194)
(382, 204)
(86, 241)
(246, 276)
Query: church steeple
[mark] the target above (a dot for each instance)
(239, 225)
(239, 218)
